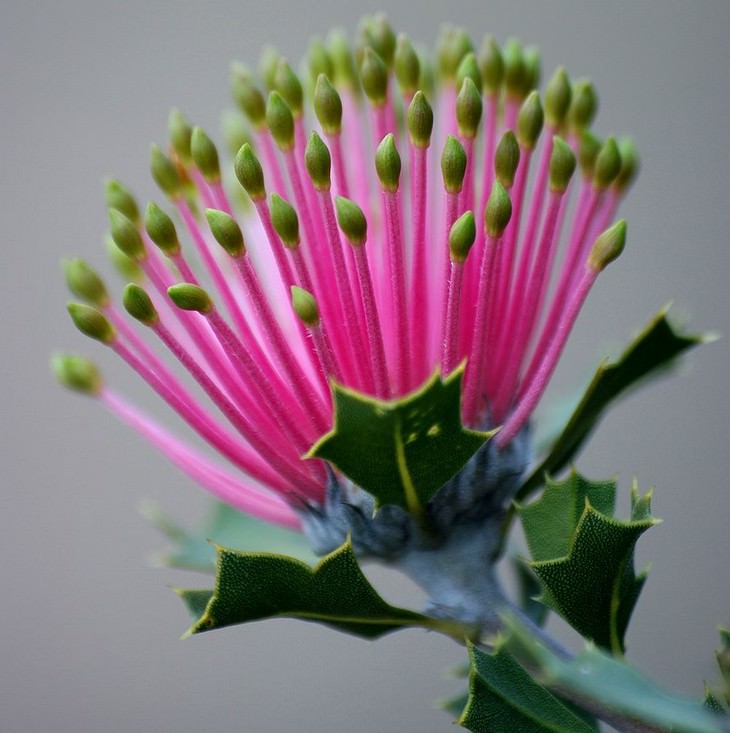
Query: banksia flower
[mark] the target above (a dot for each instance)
(387, 219)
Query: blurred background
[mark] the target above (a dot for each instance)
(88, 631)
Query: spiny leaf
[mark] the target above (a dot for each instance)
(652, 350)
(528, 590)
(504, 698)
(404, 450)
(594, 587)
(256, 586)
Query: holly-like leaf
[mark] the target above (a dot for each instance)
(404, 450)
(504, 698)
(256, 586)
(609, 687)
(648, 354)
(594, 586)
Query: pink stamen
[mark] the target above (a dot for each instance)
(449, 337)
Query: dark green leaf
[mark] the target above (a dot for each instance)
(454, 705)
(404, 450)
(255, 586)
(196, 601)
(528, 590)
(652, 350)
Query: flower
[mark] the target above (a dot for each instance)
(443, 252)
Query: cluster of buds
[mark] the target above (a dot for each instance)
(399, 218)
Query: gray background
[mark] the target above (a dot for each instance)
(88, 633)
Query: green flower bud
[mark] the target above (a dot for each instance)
(351, 221)
(84, 282)
(235, 131)
(588, 152)
(529, 121)
(491, 65)
(117, 196)
(407, 66)
(249, 173)
(319, 60)
(608, 246)
(91, 322)
(387, 164)
(165, 173)
(462, 234)
(426, 80)
(305, 306)
(608, 164)
(532, 69)
(469, 68)
(558, 94)
(205, 155)
(285, 221)
(629, 164)
(562, 165)
(287, 83)
(179, 132)
(506, 159)
(189, 297)
(139, 305)
(327, 106)
(498, 211)
(453, 44)
(515, 70)
(161, 229)
(318, 162)
(76, 373)
(247, 96)
(453, 165)
(382, 38)
(126, 235)
(123, 264)
(280, 120)
(583, 105)
(345, 74)
(468, 109)
(226, 231)
(268, 61)
(420, 120)
(374, 76)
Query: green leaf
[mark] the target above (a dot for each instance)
(196, 601)
(609, 687)
(404, 450)
(224, 525)
(256, 586)
(648, 354)
(528, 590)
(504, 698)
(594, 586)
(723, 661)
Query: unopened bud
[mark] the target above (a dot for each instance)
(583, 105)
(506, 159)
(515, 71)
(249, 173)
(226, 231)
(91, 322)
(205, 155)
(285, 221)
(588, 148)
(189, 297)
(165, 173)
(351, 221)
(462, 234)
(629, 164)
(318, 161)
(529, 121)
(76, 373)
(327, 106)
(305, 306)
(608, 246)
(562, 165)
(179, 132)
(287, 83)
(491, 65)
(469, 69)
(126, 235)
(139, 305)
(85, 283)
(453, 165)
(608, 164)
(117, 196)
(374, 76)
(498, 211)
(407, 66)
(468, 108)
(420, 120)
(161, 229)
(280, 120)
(387, 163)
(557, 98)
(247, 96)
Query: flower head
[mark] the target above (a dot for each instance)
(386, 219)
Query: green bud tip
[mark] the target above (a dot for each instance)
(247, 96)
(318, 161)
(629, 164)
(491, 65)
(374, 76)
(305, 306)
(468, 108)
(249, 172)
(165, 173)
(189, 297)
(126, 235)
(588, 152)
(515, 70)
(268, 61)
(287, 83)
(558, 94)
(420, 120)
(319, 60)
(562, 165)
(532, 68)
(608, 246)
(345, 70)
(91, 322)
(179, 132)
(123, 264)
(280, 120)
(226, 231)
(84, 282)
(427, 79)
(285, 221)
(117, 196)
(461, 236)
(469, 68)
(139, 305)
(529, 121)
(387, 163)
(327, 106)
(77, 373)
(608, 164)
(407, 66)
(506, 159)
(498, 211)
(161, 229)
(381, 37)
(453, 165)
(583, 104)
(235, 130)
(205, 155)
(453, 44)
(352, 221)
